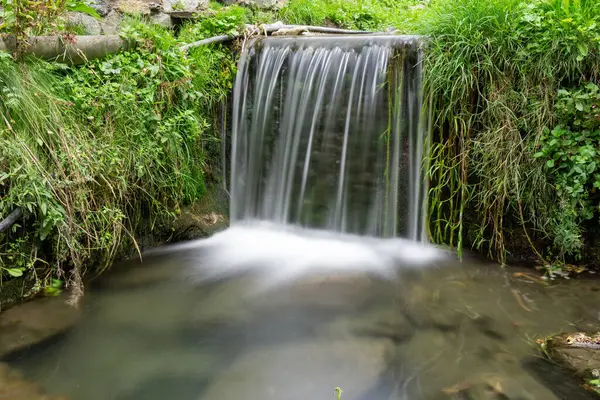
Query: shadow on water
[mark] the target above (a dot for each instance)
(553, 376)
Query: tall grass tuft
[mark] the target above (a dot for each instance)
(493, 70)
(370, 15)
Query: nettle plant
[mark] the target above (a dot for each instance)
(572, 153)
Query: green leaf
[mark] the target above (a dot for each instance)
(579, 106)
(550, 163)
(83, 8)
(16, 272)
(538, 154)
(583, 49)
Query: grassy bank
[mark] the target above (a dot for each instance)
(513, 84)
(90, 152)
(96, 154)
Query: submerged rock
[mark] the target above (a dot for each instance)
(315, 369)
(14, 387)
(34, 322)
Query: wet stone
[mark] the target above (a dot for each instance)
(33, 322)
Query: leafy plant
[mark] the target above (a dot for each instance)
(493, 70)
(572, 161)
(223, 21)
(24, 18)
(90, 151)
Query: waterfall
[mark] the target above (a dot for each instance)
(328, 132)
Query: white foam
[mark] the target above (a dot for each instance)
(281, 254)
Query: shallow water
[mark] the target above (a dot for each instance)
(162, 329)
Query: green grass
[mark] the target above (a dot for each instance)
(91, 152)
(371, 15)
(493, 69)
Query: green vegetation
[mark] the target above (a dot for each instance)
(90, 152)
(371, 15)
(595, 385)
(24, 18)
(511, 84)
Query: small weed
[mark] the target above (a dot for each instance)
(338, 393)
(500, 74)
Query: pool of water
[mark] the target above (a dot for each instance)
(156, 330)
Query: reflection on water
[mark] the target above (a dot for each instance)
(149, 332)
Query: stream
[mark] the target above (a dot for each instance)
(158, 329)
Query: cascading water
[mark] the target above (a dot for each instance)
(328, 133)
(327, 143)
